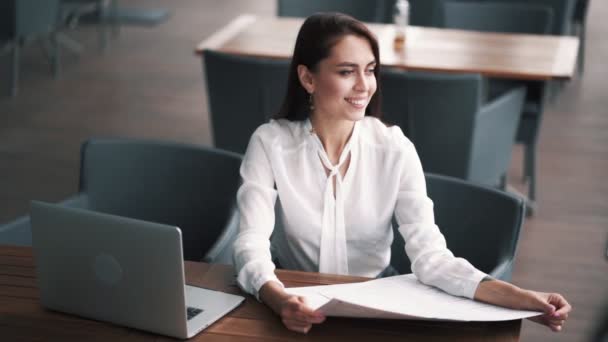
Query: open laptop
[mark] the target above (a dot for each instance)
(120, 270)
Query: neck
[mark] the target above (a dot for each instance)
(333, 134)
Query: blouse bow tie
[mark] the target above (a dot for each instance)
(333, 257)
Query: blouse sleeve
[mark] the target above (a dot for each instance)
(431, 261)
(255, 199)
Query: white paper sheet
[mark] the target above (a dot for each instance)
(401, 297)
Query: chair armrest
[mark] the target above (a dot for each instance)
(222, 250)
(18, 232)
(494, 135)
(510, 101)
(503, 270)
(80, 201)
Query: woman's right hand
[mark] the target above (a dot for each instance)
(295, 313)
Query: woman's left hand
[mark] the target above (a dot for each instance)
(555, 307)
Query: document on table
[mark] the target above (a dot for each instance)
(401, 297)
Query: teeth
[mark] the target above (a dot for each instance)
(357, 102)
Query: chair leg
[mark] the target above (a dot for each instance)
(55, 55)
(102, 26)
(530, 156)
(525, 170)
(114, 18)
(581, 48)
(15, 68)
(69, 44)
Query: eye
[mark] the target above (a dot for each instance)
(345, 72)
(370, 71)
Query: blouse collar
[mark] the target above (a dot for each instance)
(347, 148)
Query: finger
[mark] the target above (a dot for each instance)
(304, 306)
(296, 323)
(556, 321)
(563, 307)
(305, 313)
(303, 330)
(297, 326)
(305, 317)
(547, 308)
(544, 320)
(556, 328)
(541, 302)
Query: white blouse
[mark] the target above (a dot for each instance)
(346, 230)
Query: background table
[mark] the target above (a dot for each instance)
(515, 56)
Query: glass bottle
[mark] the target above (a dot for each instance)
(401, 19)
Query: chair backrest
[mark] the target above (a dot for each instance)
(498, 17)
(480, 224)
(21, 18)
(243, 93)
(188, 186)
(379, 11)
(425, 12)
(437, 112)
(562, 10)
(580, 10)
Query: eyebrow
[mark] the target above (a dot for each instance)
(354, 65)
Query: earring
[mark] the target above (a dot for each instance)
(311, 104)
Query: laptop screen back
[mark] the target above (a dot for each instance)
(110, 268)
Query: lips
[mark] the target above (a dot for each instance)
(358, 102)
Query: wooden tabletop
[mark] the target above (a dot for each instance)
(515, 56)
(23, 319)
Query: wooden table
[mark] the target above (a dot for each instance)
(515, 56)
(23, 319)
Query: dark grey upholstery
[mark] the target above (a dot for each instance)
(498, 17)
(480, 224)
(379, 11)
(243, 93)
(454, 131)
(24, 19)
(563, 10)
(191, 187)
(422, 12)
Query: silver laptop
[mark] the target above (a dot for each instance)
(119, 270)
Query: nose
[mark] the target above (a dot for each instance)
(362, 82)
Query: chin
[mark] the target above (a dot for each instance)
(357, 116)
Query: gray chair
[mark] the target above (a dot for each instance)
(498, 17)
(107, 15)
(422, 12)
(454, 130)
(22, 20)
(243, 93)
(480, 224)
(188, 186)
(72, 12)
(379, 11)
(425, 12)
(538, 17)
(563, 10)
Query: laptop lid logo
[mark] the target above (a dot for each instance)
(107, 269)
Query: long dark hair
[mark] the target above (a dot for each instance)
(319, 33)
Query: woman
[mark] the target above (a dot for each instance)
(339, 174)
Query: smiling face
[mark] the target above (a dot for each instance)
(343, 83)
